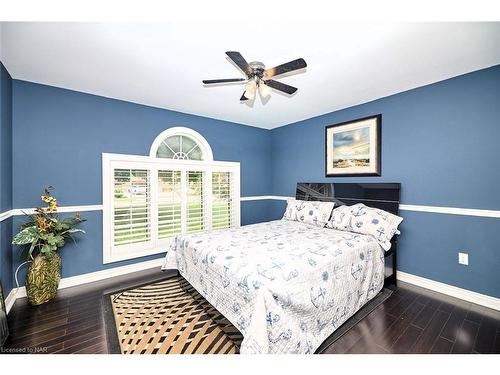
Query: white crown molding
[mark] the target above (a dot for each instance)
(86, 278)
(450, 290)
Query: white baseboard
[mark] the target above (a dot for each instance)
(453, 291)
(86, 278)
(10, 299)
(450, 290)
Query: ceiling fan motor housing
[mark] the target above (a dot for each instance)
(257, 70)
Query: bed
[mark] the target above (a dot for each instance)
(285, 285)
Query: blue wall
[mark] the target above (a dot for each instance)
(5, 177)
(86, 254)
(59, 136)
(441, 142)
(5, 140)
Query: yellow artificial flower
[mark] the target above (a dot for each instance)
(52, 203)
(43, 224)
(48, 198)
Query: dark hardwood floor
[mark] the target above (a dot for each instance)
(412, 320)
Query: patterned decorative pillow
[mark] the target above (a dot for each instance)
(380, 224)
(341, 218)
(309, 212)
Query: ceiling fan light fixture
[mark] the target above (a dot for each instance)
(250, 89)
(264, 90)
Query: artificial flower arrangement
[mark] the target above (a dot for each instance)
(43, 235)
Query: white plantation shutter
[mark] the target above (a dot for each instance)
(147, 202)
(194, 200)
(221, 200)
(169, 203)
(131, 220)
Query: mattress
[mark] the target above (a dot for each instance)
(286, 286)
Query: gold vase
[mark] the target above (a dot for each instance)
(43, 278)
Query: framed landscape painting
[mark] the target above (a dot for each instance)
(353, 148)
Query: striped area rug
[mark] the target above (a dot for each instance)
(170, 317)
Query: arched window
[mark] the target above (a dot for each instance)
(181, 143)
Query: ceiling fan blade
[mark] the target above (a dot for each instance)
(239, 61)
(285, 68)
(287, 89)
(227, 80)
(243, 97)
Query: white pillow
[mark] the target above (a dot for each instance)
(380, 224)
(340, 219)
(309, 212)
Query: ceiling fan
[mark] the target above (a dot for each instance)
(258, 77)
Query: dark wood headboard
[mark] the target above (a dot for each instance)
(384, 196)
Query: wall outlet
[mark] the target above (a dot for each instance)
(463, 258)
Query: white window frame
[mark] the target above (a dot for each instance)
(185, 132)
(110, 162)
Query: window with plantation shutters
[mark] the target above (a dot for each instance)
(169, 203)
(131, 206)
(149, 201)
(221, 200)
(194, 200)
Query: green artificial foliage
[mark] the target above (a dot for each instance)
(42, 236)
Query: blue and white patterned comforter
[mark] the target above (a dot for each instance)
(285, 285)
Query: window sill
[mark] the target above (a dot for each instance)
(118, 257)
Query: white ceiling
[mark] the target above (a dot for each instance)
(162, 65)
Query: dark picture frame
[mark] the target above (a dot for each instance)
(4, 326)
(354, 148)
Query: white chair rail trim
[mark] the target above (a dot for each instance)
(403, 207)
(407, 207)
(5, 215)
